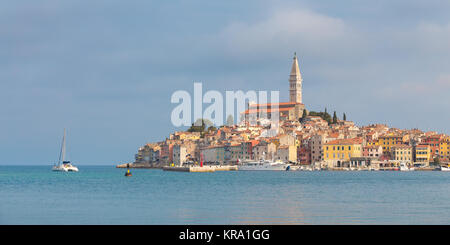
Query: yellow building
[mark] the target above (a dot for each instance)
(444, 149)
(186, 135)
(423, 153)
(342, 149)
(403, 153)
(389, 141)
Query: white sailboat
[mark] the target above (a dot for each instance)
(63, 165)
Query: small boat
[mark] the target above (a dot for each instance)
(63, 165)
(445, 168)
(404, 167)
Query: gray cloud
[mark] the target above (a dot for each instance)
(106, 70)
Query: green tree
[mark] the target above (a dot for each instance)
(200, 125)
(304, 115)
(436, 161)
(334, 118)
(324, 115)
(344, 117)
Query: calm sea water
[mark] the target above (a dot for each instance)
(102, 195)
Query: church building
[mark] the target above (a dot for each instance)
(291, 110)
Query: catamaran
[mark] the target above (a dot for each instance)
(63, 165)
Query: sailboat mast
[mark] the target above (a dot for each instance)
(63, 147)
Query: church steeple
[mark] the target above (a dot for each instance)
(295, 82)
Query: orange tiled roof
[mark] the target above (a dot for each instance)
(265, 110)
(272, 104)
(345, 141)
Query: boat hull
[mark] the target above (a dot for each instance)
(63, 168)
(264, 167)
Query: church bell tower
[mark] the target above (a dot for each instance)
(295, 82)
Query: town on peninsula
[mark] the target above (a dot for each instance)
(307, 140)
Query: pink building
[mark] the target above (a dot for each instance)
(373, 151)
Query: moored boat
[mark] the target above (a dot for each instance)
(404, 167)
(263, 165)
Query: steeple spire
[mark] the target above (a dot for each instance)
(295, 70)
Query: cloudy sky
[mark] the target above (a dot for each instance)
(106, 69)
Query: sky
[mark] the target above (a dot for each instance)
(106, 69)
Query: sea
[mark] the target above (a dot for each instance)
(103, 195)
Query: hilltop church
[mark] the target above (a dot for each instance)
(291, 110)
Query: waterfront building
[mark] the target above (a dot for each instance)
(264, 150)
(247, 149)
(213, 154)
(304, 155)
(315, 145)
(149, 153)
(341, 150)
(375, 151)
(179, 154)
(232, 152)
(402, 153)
(444, 149)
(166, 154)
(434, 142)
(358, 162)
(287, 153)
(422, 153)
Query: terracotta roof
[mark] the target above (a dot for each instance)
(345, 141)
(265, 110)
(272, 104)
